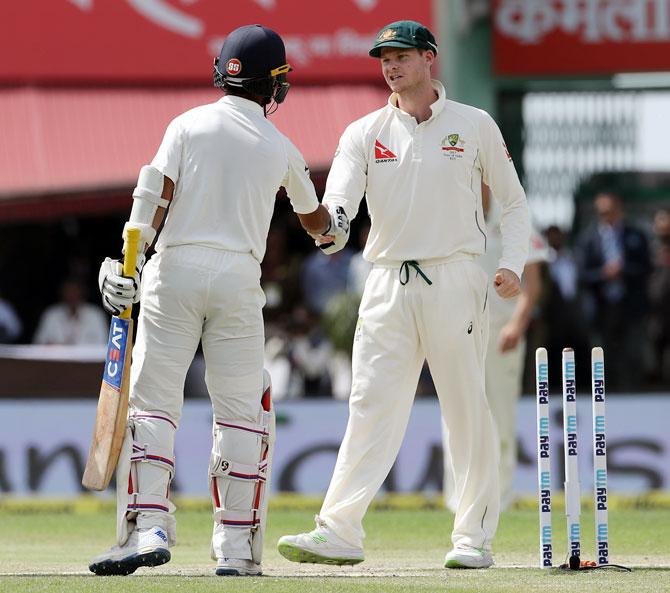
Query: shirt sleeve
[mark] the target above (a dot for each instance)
(500, 175)
(298, 185)
(168, 157)
(347, 179)
(539, 250)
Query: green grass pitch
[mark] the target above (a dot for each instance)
(46, 546)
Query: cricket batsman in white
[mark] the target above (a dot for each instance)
(420, 162)
(218, 170)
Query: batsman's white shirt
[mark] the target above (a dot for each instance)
(227, 162)
(203, 284)
(422, 183)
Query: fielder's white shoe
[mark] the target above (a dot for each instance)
(145, 547)
(468, 557)
(235, 567)
(319, 546)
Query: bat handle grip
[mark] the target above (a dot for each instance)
(132, 239)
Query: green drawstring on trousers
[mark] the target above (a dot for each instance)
(404, 269)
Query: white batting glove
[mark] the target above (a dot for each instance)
(118, 291)
(338, 229)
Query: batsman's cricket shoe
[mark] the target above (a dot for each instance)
(468, 557)
(319, 546)
(145, 547)
(235, 567)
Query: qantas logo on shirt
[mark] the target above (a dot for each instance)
(383, 154)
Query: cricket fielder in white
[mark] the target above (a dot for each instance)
(218, 169)
(420, 162)
(505, 355)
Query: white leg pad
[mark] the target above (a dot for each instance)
(143, 475)
(239, 474)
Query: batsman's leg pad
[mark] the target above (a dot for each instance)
(144, 473)
(239, 474)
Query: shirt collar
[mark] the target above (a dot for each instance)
(241, 103)
(435, 107)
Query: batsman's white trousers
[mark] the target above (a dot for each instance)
(191, 293)
(400, 326)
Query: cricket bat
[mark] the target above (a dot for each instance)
(112, 413)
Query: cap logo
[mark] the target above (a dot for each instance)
(387, 34)
(233, 66)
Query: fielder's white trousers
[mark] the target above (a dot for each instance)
(503, 389)
(399, 327)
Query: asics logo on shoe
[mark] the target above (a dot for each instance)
(319, 539)
(160, 534)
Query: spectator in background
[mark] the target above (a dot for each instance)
(563, 309)
(659, 292)
(280, 277)
(323, 277)
(72, 321)
(10, 324)
(614, 268)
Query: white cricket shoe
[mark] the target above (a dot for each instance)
(145, 547)
(235, 567)
(468, 557)
(319, 546)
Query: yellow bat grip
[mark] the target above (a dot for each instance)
(132, 239)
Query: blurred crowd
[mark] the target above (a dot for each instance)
(608, 285)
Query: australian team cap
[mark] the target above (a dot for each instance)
(403, 34)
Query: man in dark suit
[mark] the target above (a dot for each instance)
(614, 268)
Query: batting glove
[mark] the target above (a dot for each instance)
(118, 291)
(337, 228)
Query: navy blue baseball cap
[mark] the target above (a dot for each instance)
(403, 34)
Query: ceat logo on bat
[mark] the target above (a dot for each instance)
(116, 352)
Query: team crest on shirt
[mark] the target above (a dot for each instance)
(453, 146)
(383, 154)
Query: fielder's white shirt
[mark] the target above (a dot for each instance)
(422, 183)
(227, 162)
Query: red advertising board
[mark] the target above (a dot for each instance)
(578, 37)
(174, 41)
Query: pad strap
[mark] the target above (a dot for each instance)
(156, 455)
(149, 502)
(224, 468)
(244, 519)
(258, 429)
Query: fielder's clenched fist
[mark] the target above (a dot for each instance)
(507, 283)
